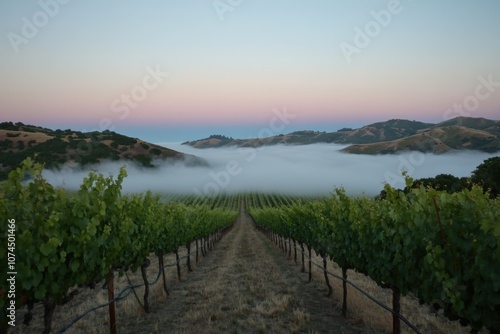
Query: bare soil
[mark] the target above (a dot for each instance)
(244, 285)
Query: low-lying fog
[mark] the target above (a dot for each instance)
(306, 169)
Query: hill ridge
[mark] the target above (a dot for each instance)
(55, 148)
(391, 136)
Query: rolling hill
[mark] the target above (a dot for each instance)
(461, 133)
(396, 135)
(57, 147)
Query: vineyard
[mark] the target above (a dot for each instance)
(69, 239)
(441, 248)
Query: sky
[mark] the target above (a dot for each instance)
(175, 70)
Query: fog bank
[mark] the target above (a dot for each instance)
(306, 169)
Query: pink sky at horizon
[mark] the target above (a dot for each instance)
(234, 72)
(230, 100)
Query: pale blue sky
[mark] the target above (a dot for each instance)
(227, 75)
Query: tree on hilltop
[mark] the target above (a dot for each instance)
(487, 175)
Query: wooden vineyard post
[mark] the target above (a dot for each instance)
(396, 307)
(178, 265)
(111, 307)
(49, 307)
(188, 246)
(330, 290)
(310, 273)
(144, 265)
(344, 287)
(196, 240)
(289, 247)
(161, 267)
(28, 316)
(201, 248)
(295, 251)
(303, 266)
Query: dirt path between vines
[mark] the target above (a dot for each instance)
(244, 285)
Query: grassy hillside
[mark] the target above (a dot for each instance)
(437, 139)
(384, 131)
(392, 129)
(473, 123)
(461, 133)
(57, 147)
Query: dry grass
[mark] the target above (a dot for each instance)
(361, 309)
(244, 285)
(234, 297)
(98, 321)
(25, 137)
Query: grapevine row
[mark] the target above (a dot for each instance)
(68, 239)
(442, 248)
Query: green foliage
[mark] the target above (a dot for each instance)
(437, 245)
(220, 137)
(445, 182)
(68, 239)
(487, 174)
(22, 127)
(5, 144)
(155, 151)
(120, 139)
(38, 209)
(144, 160)
(85, 148)
(8, 126)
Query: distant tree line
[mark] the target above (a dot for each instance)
(23, 127)
(487, 175)
(220, 137)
